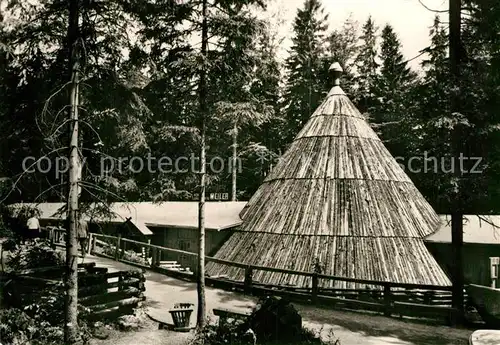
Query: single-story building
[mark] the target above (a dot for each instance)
(175, 225)
(481, 241)
(172, 224)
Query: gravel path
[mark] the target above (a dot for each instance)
(149, 336)
(351, 328)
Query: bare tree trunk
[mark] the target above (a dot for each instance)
(201, 315)
(233, 167)
(71, 332)
(1, 256)
(71, 302)
(457, 212)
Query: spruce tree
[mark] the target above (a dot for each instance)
(482, 44)
(306, 66)
(394, 69)
(474, 118)
(436, 64)
(343, 48)
(392, 90)
(431, 108)
(367, 65)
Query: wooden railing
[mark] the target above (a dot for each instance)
(388, 298)
(56, 235)
(103, 294)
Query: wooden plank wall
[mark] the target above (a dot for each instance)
(104, 294)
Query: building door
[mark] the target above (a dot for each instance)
(185, 260)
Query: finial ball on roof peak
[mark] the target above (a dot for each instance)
(336, 70)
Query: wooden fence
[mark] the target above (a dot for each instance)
(390, 299)
(103, 294)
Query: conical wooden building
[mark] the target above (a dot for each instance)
(337, 196)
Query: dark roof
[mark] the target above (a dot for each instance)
(483, 229)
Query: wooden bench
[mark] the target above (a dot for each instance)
(225, 314)
(426, 310)
(171, 266)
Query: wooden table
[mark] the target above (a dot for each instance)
(485, 337)
(225, 314)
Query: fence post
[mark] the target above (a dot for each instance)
(120, 282)
(153, 257)
(51, 236)
(89, 244)
(248, 280)
(63, 235)
(92, 247)
(123, 250)
(314, 290)
(494, 262)
(117, 247)
(387, 300)
(158, 257)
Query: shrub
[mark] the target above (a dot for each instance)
(219, 334)
(35, 254)
(18, 327)
(36, 317)
(274, 321)
(134, 257)
(5, 222)
(128, 255)
(13, 220)
(108, 249)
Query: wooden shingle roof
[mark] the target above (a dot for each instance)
(339, 196)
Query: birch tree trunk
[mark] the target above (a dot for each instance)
(71, 332)
(71, 297)
(201, 314)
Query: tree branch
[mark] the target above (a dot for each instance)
(430, 9)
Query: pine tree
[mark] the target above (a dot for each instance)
(343, 48)
(431, 109)
(267, 86)
(367, 65)
(263, 134)
(483, 70)
(394, 69)
(306, 67)
(392, 90)
(218, 72)
(436, 65)
(39, 96)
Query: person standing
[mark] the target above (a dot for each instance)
(83, 235)
(33, 227)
